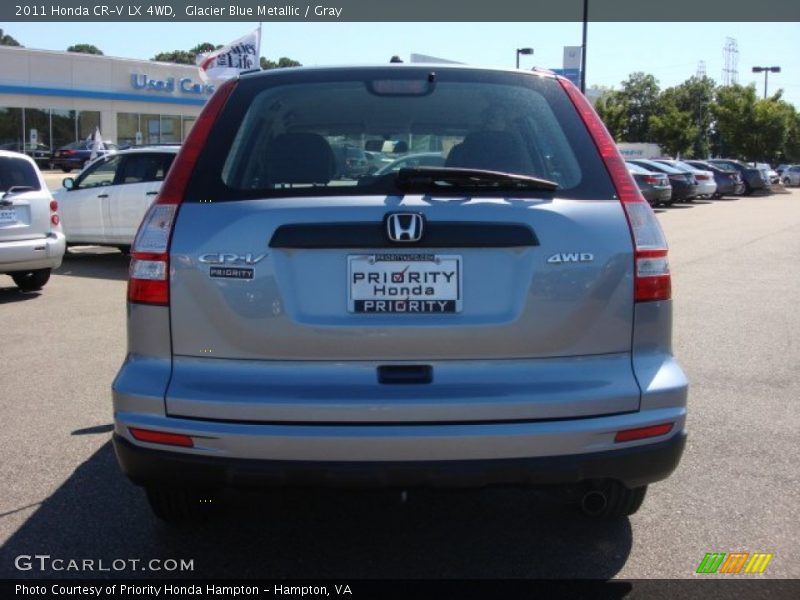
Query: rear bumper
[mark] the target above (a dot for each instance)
(633, 466)
(657, 195)
(27, 255)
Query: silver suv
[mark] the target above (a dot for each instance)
(502, 319)
(31, 238)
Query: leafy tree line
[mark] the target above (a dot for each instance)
(183, 57)
(700, 119)
(187, 57)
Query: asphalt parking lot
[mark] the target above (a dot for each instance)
(736, 280)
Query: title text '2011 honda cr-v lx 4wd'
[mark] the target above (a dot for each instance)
(502, 319)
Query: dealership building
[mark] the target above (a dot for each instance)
(55, 98)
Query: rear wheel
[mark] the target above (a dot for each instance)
(612, 500)
(180, 505)
(748, 189)
(66, 169)
(30, 281)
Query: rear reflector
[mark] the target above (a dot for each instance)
(630, 435)
(149, 270)
(161, 437)
(652, 278)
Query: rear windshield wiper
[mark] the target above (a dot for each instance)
(17, 189)
(445, 178)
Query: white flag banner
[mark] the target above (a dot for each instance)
(97, 146)
(230, 60)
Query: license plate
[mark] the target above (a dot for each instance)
(404, 283)
(8, 215)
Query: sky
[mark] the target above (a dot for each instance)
(670, 51)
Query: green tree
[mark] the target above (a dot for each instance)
(640, 96)
(613, 109)
(673, 128)
(694, 97)
(185, 57)
(751, 128)
(85, 49)
(7, 40)
(181, 57)
(734, 113)
(791, 150)
(773, 121)
(282, 63)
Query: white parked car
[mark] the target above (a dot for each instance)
(770, 173)
(105, 203)
(31, 238)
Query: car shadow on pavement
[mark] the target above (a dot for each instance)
(95, 262)
(497, 533)
(11, 293)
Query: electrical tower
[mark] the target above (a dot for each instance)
(701, 69)
(730, 73)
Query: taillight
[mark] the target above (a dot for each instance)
(652, 179)
(652, 279)
(148, 281)
(701, 177)
(54, 218)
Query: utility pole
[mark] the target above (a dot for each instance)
(583, 45)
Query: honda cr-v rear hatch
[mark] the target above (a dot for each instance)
(297, 294)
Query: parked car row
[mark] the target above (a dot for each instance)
(690, 179)
(68, 157)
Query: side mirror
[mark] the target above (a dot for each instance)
(68, 183)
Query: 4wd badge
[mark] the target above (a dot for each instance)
(570, 257)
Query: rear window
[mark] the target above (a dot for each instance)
(286, 136)
(15, 172)
(637, 169)
(657, 166)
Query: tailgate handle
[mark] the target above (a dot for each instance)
(405, 374)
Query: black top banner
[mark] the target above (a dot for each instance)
(400, 11)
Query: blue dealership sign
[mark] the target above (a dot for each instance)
(574, 75)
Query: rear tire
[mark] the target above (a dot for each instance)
(620, 501)
(180, 505)
(30, 281)
(66, 169)
(748, 190)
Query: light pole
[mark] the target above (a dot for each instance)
(526, 51)
(767, 71)
(583, 45)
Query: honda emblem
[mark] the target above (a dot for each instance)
(404, 227)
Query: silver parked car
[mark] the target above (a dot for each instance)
(31, 239)
(502, 319)
(791, 175)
